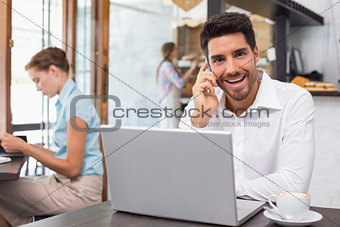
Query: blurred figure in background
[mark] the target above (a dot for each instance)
(170, 83)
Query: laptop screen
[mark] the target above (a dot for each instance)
(21, 137)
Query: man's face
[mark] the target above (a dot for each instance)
(234, 64)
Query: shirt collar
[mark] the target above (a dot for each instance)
(266, 96)
(65, 91)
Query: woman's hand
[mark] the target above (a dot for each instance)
(192, 68)
(12, 144)
(194, 64)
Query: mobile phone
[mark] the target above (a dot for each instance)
(208, 69)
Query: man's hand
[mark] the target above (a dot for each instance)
(11, 143)
(204, 97)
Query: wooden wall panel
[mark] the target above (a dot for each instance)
(69, 32)
(100, 55)
(5, 65)
(100, 67)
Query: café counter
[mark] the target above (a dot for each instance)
(325, 93)
(324, 187)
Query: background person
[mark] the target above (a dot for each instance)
(77, 162)
(170, 83)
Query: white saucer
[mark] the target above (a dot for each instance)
(310, 218)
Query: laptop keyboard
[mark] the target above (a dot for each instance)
(4, 154)
(245, 207)
(4, 160)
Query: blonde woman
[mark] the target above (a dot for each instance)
(170, 82)
(77, 162)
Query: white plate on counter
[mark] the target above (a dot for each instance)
(310, 218)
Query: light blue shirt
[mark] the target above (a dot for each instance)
(92, 162)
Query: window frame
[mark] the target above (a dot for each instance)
(6, 44)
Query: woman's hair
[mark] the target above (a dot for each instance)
(166, 50)
(47, 57)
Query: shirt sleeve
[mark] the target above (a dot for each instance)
(296, 156)
(185, 120)
(173, 76)
(84, 110)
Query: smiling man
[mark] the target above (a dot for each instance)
(272, 123)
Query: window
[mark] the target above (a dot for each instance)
(137, 32)
(83, 53)
(36, 24)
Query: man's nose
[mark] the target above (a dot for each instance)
(231, 67)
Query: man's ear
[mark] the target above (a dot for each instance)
(256, 54)
(54, 70)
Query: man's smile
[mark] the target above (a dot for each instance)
(232, 81)
(237, 81)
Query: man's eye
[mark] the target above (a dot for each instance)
(240, 54)
(217, 60)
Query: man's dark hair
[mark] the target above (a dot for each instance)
(227, 23)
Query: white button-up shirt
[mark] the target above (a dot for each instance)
(273, 141)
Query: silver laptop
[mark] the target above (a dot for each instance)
(174, 173)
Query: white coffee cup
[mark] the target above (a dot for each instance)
(291, 205)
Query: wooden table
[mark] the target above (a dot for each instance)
(103, 215)
(11, 170)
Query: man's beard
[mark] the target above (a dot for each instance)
(237, 95)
